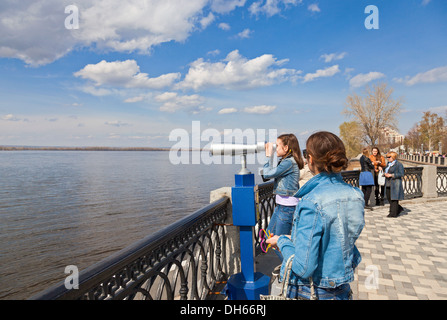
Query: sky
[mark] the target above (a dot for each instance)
(134, 73)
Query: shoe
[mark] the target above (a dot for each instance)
(377, 202)
(382, 203)
(368, 207)
(391, 216)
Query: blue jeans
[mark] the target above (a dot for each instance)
(281, 222)
(342, 292)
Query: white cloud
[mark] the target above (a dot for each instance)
(263, 109)
(271, 7)
(134, 99)
(172, 101)
(362, 79)
(116, 123)
(313, 7)
(245, 34)
(10, 117)
(125, 74)
(430, 76)
(34, 30)
(206, 21)
(237, 72)
(425, 2)
(224, 26)
(328, 72)
(225, 6)
(333, 56)
(227, 110)
(439, 110)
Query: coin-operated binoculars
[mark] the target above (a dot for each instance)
(248, 284)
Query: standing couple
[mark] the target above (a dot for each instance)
(371, 168)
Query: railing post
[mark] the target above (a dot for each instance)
(429, 176)
(232, 245)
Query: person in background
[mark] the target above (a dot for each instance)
(379, 164)
(305, 173)
(286, 175)
(366, 179)
(327, 221)
(394, 172)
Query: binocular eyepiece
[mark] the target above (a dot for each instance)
(228, 149)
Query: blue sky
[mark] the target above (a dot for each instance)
(135, 71)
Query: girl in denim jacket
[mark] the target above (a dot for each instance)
(286, 175)
(328, 220)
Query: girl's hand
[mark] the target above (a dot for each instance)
(273, 240)
(268, 149)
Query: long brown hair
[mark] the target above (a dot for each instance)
(291, 141)
(328, 152)
(378, 156)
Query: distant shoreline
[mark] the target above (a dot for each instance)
(26, 148)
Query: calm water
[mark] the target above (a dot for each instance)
(60, 208)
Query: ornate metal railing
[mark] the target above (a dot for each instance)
(183, 261)
(440, 160)
(187, 260)
(265, 204)
(441, 181)
(412, 182)
(351, 177)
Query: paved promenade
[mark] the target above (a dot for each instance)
(402, 258)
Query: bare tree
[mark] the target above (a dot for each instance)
(413, 138)
(431, 129)
(374, 111)
(350, 134)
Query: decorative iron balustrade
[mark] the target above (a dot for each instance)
(440, 160)
(351, 177)
(265, 204)
(441, 181)
(412, 182)
(187, 260)
(183, 261)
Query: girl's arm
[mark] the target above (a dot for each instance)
(270, 172)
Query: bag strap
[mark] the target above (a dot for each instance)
(285, 284)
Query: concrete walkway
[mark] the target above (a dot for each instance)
(402, 258)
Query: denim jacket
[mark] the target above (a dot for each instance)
(286, 175)
(326, 224)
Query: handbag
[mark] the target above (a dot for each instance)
(381, 178)
(366, 178)
(285, 286)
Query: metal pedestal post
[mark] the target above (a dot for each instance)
(248, 284)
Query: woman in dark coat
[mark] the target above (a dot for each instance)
(366, 180)
(394, 172)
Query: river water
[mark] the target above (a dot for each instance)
(60, 208)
